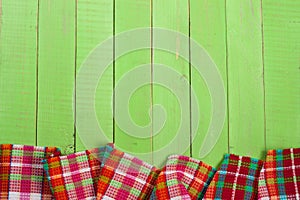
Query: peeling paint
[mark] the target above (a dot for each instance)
(177, 47)
(49, 6)
(178, 28)
(241, 14)
(68, 149)
(0, 15)
(251, 6)
(0, 18)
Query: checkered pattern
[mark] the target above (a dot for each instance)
(183, 178)
(237, 178)
(75, 176)
(123, 176)
(21, 172)
(153, 194)
(280, 176)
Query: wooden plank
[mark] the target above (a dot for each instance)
(18, 52)
(131, 14)
(94, 25)
(56, 72)
(172, 137)
(281, 22)
(245, 78)
(208, 29)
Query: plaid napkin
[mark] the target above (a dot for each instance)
(183, 178)
(237, 178)
(21, 172)
(75, 176)
(124, 176)
(280, 176)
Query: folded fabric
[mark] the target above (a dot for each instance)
(75, 176)
(21, 172)
(280, 175)
(124, 176)
(183, 178)
(237, 178)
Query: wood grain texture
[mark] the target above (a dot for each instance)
(132, 14)
(173, 137)
(94, 25)
(281, 22)
(18, 52)
(56, 72)
(208, 29)
(245, 78)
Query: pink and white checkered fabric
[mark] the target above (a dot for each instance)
(183, 178)
(75, 176)
(22, 173)
(124, 176)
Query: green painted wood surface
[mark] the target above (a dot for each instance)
(254, 44)
(245, 78)
(209, 30)
(94, 25)
(56, 74)
(18, 55)
(132, 14)
(282, 72)
(173, 15)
